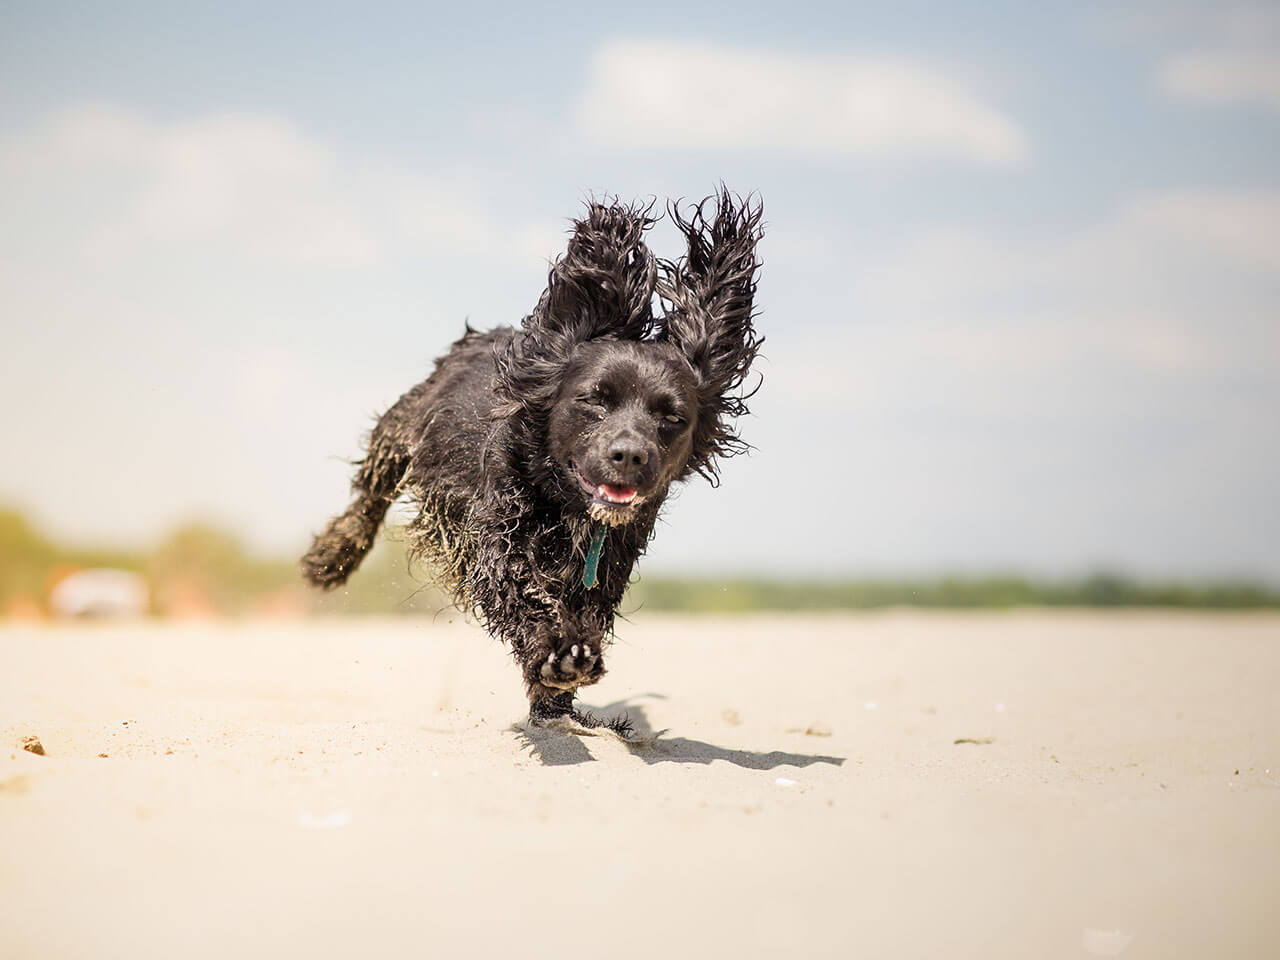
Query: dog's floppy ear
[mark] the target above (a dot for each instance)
(602, 288)
(709, 295)
(603, 285)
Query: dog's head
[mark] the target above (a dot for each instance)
(622, 425)
(614, 403)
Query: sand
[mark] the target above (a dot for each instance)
(899, 784)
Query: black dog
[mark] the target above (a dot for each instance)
(539, 458)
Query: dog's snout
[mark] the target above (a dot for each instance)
(629, 453)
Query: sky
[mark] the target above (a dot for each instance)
(1020, 285)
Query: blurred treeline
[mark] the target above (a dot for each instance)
(205, 571)
(1098, 590)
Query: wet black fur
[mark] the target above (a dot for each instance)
(504, 447)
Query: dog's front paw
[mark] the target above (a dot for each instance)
(573, 666)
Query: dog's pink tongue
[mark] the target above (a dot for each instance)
(616, 494)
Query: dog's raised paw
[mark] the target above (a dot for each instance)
(575, 666)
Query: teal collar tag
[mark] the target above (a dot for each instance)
(593, 556)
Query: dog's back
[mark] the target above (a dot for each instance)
(431, 439)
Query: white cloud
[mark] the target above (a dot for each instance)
(254, 181)
(688, 96)
(1172, 287)
(247, 184)
(1228, 53)
(1223, 77)
(1241, 225)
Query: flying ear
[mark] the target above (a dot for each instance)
(603, 285)
(709, 296)
(602, 288)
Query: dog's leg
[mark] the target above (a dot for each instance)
(339, 549)
(552, 706)
(556, 660)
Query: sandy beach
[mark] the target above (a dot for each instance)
(896, 784)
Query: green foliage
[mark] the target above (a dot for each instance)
(25, 558)
(1099, 590)
(215, 565)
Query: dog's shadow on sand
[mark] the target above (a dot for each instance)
(562, 742)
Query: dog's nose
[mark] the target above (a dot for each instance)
(628, 454)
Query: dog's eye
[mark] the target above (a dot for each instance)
(597, 396)
(674, 419)
(593, 406)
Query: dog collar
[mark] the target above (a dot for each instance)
(593, 555)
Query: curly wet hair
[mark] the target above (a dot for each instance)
(538, 458)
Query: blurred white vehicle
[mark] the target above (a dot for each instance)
(100, 593)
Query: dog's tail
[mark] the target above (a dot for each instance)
(337, 551)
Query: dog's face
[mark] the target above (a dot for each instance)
(621, 428)
(609, 404)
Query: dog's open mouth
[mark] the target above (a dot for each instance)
(609, 494)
